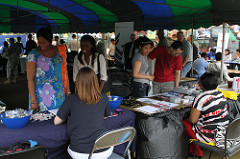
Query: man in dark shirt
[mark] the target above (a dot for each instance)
(30, 44)
(20, 44)
(195, 49)
(129, 51)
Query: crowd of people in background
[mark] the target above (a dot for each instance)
(10, 57)
(191, 55)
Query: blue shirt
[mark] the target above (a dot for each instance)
(210, 55)
(200, 65)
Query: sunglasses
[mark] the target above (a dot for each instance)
(146, 42)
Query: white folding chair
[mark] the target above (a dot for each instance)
(114, 138)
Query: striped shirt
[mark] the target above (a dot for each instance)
(213, 108)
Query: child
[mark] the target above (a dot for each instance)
(85, 111)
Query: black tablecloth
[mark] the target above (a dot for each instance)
(55, 139)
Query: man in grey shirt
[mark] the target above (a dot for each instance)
(163, 41)
(186, 54)
(74, 46)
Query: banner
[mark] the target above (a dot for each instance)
(122, 36)
(7, 37)
(233, 46)
(220, 41)
(151, 34)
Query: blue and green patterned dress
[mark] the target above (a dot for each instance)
(48, 80)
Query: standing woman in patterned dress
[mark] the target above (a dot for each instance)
(44, 74)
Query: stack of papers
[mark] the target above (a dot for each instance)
(166, 104)
(155, 106)
(157, 102)
(148, 100)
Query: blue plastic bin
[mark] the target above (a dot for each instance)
(114, 104)
(14, 123)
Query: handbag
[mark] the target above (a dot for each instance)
(20, 146)
(106, 85)
(24, 150)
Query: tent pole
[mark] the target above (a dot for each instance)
(17, 8)
(104, 44)
(221, 74)
(48, 4)
(192, 45)
(78, 41)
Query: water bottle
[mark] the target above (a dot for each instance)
(236, 69)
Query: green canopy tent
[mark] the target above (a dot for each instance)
(101, 15)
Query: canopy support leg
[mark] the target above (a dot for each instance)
(222, 61)
(192, 46)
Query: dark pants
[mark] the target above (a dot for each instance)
(3, 65)
(139, 89)
(71, 56)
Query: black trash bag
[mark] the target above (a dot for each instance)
(162, 135)
(233, 109)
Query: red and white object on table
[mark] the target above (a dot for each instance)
(236, 84)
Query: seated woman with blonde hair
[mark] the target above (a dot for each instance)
(85, 111)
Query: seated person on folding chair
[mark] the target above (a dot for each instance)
(200, 65)
(215, 68)
(209, 110)
(85, 111)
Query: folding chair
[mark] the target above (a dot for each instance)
(232, 133)
(114, 138)
(37, 152)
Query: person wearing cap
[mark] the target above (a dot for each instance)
(13, 60)
(44, 74)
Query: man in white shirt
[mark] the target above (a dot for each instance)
(55, 41)
(215, 68)
(74, 46)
